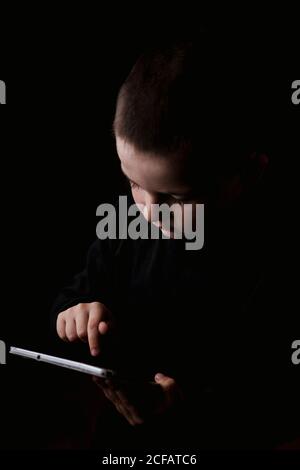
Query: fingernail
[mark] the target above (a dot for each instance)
(95, 352)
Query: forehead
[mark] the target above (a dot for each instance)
(163, 174)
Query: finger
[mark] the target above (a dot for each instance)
(164, 380)
(123, 410)
(124, 413)
(107, 322)
(117, 394)
(112, 384)
(129, 408)
(119, 400)
(112, 391)
(61, 327)
(71, 329)
(95, 316)
(109, 395)
(172, 391)
(99, 382)
(106, 389)
(105, 326)
(81, 325)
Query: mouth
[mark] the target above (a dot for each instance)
(167, 232)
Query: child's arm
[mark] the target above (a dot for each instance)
(82, 310)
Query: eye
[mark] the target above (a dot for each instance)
(133, 184)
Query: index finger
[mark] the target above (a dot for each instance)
(95, 316)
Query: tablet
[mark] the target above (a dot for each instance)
(61, 362)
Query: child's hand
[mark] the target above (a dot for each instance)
(138, 402)
(85, 322)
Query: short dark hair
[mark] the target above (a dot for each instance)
(154, 104)
(208, 99)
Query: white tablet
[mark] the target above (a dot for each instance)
(59, 361)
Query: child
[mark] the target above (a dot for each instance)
(184, 318)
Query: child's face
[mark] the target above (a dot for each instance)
(158, 180)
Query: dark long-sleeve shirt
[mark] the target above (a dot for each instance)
(218, 320)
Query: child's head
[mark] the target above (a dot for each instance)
(171, 140)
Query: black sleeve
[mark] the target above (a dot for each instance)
(94, 283)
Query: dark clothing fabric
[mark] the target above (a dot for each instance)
(219, 320)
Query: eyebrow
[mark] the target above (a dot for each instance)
(175, 195)
(127, 177)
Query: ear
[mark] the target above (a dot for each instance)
(254, 169)
(248, 177)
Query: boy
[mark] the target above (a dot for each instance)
(185, 318)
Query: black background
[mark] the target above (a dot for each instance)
(58, 163)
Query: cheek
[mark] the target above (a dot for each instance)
(189, 215)
(137, 195)
(177, 216)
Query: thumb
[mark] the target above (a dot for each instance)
(163, 380)
(172, 394)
